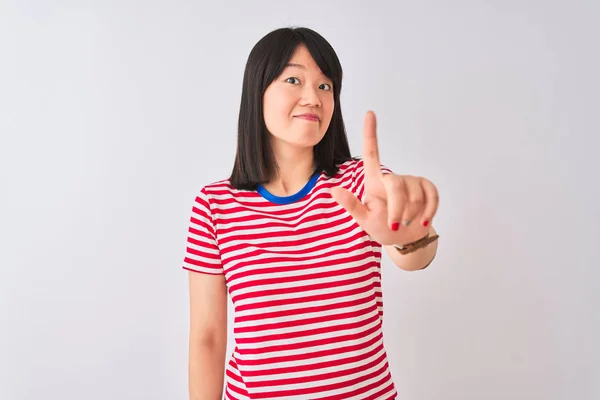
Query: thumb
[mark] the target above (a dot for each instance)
(351, 203)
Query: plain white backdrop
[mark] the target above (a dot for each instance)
(113, 115)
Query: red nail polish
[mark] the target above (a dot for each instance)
(425, 223)
(395, 226)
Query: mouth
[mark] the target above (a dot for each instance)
(309, 117)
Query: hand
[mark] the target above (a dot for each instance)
(397, 209)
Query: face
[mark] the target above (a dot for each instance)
(298, 104)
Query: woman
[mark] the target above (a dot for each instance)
(295, 236)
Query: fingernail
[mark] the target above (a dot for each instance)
(425, 223)
(406, 222)
(395, 226)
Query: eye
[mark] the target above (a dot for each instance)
(327, 86)
(293, 80)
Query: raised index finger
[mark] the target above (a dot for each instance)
(370, 149)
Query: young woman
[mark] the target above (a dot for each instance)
(295, 237)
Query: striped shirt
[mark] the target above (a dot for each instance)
(305, 282)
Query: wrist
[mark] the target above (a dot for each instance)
(411, 247)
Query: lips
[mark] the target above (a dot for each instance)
(309, 117)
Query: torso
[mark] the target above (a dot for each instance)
(305, 281)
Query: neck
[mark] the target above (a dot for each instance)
(294, 171)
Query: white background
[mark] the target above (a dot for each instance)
(113, 114)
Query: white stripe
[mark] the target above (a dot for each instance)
(311, 350)
(280, 272)
(291, 306)
(318, 371)
(301, 329)
(303, 316)
(270, 219)
(306, 293)
(308, 384)
(298, 284)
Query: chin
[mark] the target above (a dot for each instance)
(309, 140)
(301, 138)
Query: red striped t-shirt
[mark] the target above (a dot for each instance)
(305, 282)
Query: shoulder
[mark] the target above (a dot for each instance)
(218, 187)
(350, 167)
(356, 167)
(219, 192)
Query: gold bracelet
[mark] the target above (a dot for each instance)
(414, 246)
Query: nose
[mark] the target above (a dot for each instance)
(310, 97)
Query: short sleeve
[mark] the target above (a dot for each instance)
(202, 251)
(358, 178)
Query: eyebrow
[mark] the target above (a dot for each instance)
(303, 67)
(295, 65)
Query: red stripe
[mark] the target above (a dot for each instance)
(300, 322)
(298, 300)
(305, 310)
(307, 345)
(319, 389)
(216, 271)
(278, 243)
(292, 222)
(315, 378)
(304, 357)
(365, 268)
(305, 333)
(366, 388)
(325, 259)
(299, 289)
(228, 394)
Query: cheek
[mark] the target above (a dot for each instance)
(328, 108)
(277, 110)
(275, 117)
(327, 113)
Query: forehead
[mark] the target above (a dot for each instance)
(302, 59)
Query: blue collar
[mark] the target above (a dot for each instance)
(292, 198)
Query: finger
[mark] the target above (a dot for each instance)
(415, 204)
(370, 150)
(396, 193)
(351, 203)
(432, 201)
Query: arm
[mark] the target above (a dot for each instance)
(418, 260)
(208, 336)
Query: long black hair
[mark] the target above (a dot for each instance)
(254, 161)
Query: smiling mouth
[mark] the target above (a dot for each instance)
(308, 118)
